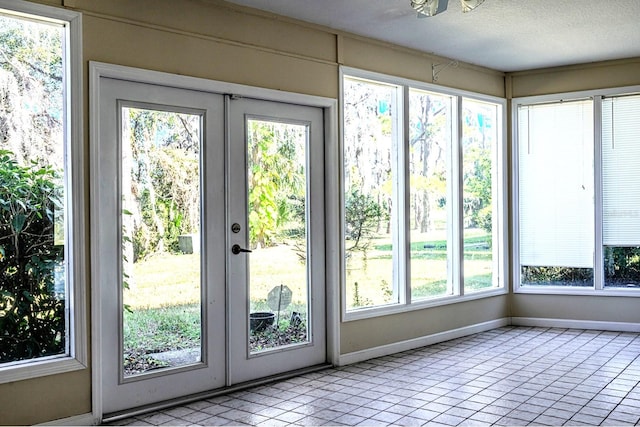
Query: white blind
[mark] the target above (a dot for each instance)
(621, 171)
(555, 143)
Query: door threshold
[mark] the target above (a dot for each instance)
(178, 401)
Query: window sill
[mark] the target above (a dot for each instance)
(33, 369)
(557, 290)
(367, 313)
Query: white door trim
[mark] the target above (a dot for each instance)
(98, 70)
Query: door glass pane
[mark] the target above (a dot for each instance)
(160, 240)
(429, 153)
(277, 216)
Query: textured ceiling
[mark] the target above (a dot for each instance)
(505, 35)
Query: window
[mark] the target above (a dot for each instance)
(480, 142)
(555, 154)
(370, 176)
(422, 188)
(620, 196)
(41, 305)
(431, 204)
(577, 199)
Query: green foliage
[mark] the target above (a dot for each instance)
(358, 300)
(32, 313)
(276, 182)
(164, 171)
(622, 265)
(477, 188)
(31, 88)
(32, 51)
(162, 329)
(362, 217)
(557, 275)
(175, 175)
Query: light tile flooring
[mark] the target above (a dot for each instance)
(511, 376)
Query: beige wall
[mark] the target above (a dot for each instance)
(45, 398)
(569, 307)
(625, 72)
(379, 331)
(214, 40)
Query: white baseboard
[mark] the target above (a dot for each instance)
(78, 420)
(385, 350)
(576, 324)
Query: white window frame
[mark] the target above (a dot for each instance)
(598, 288)
(76, 357)
(402, 274)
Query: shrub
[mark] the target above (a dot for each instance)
(32, 313)
(362, 217)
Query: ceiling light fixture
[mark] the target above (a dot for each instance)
(433, 7)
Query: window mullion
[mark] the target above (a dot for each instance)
(598, 273)
(515, 195)
(397, 200)
(404, 193)
(456, 195)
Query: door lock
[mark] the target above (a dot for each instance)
(236, 249)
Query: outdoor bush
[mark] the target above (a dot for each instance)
(32, 313)
(362, 217)
(622, 264)
(549, 275)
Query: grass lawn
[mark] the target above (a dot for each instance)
(165, 289)
(164, 280)
(374, 274)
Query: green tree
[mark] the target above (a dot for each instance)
(477, 188)
(276, 180)
(161, 185)
(362, 215)
(427, 156)
(31, 90)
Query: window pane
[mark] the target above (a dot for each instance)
(369, 149)
(161, 324)
(277, 183)
(33, 285)
(620, 196)
(430, 208)
(555, 143)
(480, 133)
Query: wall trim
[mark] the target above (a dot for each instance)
(576, 324)
(385, 350)
(77, 420)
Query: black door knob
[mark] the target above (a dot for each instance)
(236, 249)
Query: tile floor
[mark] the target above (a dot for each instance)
(511, 376)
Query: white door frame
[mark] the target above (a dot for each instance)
(99, 70)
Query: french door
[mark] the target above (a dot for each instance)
(276, 180)
(208, 245)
